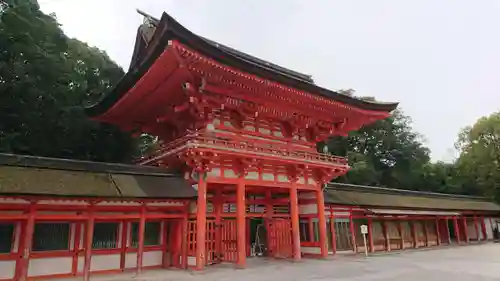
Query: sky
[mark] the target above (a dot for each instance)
(439, 59)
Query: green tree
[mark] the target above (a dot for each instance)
(45, 79)
(387, 153)
(479, 160)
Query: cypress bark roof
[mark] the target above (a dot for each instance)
(367, 196)
(153, 37)
(27, 175)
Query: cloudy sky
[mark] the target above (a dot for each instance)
(439, 59)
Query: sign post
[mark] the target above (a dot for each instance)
(364, 231)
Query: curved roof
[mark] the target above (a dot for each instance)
(30, 175)
(369, 196)
(153, 38)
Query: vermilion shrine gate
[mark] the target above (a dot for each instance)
(242, 129)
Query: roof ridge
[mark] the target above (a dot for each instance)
(30, 161)
(404, 191)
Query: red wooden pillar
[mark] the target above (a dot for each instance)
(476, 227)
(438, 232)
(269, 217)
(464, 222)
(483, 229)
(89, 237)
(294, 217)
(170, 242)
(370, 235)
(322, 222)
(26, 243)
(332, 230)
(201, 222)
(457, 230)
(353, 234)
(123, 246)
(426, 232)
(76, 247)
(387, 237)
(400, 230)
(140, 245)
(241, 222)
(184, 246)
(492, 228)
(414, 234)
(217, 202)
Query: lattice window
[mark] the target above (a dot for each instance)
(315, 230)
(304, 231)
(105, 235)
(51, 237)
(6, 237)
(151, 234)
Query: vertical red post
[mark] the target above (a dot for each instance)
(123, 246)
(476, 227)
(27, 241)
(76, 246)
(217, 202)
(438, 232)
(457, 230)
(140, 245)
(184, 236)
(332, 230)
(89, 237)
(353, 234)
(370, 235)
(466, 234)
(400, 229)
(269, 217)
(426, 232)
(414, 234)
(241, 222)
(492, 228)
(170, 242)
(483, 229)
(294, 217)
(322, 222)
(201, 222)
(387, 237)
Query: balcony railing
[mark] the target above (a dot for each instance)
(240, 147)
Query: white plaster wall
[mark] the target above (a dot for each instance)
(310, 250)
(267, 177)
(81, 264)
(7, 269)
(49, 266)
(308, 209)
(489, 230)
(282, 178)
(215, 172)
(152, 258)
(130, 260)
(252, 176)
(105, 262)
(192, 261)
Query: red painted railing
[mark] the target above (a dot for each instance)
(203, 142)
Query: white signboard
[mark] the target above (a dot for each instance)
(364, 229)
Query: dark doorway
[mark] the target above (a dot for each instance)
(258, 237)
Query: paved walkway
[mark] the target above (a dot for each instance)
(473, 262)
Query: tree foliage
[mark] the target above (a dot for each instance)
(387, 153)
(479, 161)
(45, 79)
